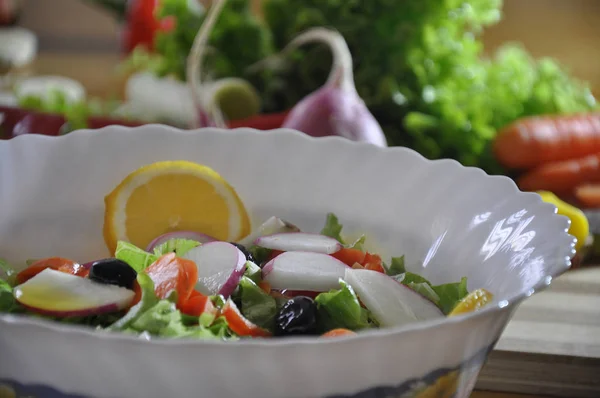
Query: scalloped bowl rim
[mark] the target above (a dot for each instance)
(22, 320)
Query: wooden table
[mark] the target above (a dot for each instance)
(94, 71)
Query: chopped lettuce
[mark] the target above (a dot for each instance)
(358, 244)
(8, 271)
(445, 296)
(253, 272)
(260, 254)
(147, 301)
(8, 303)
(451, 294)
(137, 258)
(333, 228)
(177, 246)
(396, 267)
(341, 309)
(256, 305)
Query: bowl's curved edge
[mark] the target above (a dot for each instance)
(563, 259)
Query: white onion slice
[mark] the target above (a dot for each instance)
(299, 241)
(221, 265)
(315, 272)
(391, 303)
(57, 293)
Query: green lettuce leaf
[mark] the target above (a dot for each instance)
(137, 258)
(333, 228)
(177, 246)
(357, 244)
(341, 309)
(396, 267)
(260, 254)
(147, 301)
(8, 271)
(8, 303)
(253, 272)
(451, 294)
(425, 290)
(256, 305)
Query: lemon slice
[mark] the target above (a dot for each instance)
(472, 302)
(173, 196)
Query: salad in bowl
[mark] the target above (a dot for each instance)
(217, 261)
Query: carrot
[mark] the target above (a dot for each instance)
(239, 324)
(198, 305)
(265, 286)
(350, 256)
(338, 333)
(373, 262)
(56, 263)
(170, 273)
(533, 141)
(588, 195)
(563, 176)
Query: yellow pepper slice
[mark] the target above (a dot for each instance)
(580, 227)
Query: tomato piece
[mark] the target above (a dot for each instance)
(338, 332)
(170, 273)
(198, 305)
(373, 262)
(56, 263)
(239, 324)
(350, 256)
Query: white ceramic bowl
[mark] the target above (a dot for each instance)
(449, 221)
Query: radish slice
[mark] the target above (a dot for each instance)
(316, 272)
(300, 242)
(57, 293)
(221, 265)
(391, 303)
(191, 235)
(273, 225)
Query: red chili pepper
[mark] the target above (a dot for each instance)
(143, 24)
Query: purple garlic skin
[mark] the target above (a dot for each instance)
(335, 111)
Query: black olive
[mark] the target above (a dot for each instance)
(297, 316)
(112, 271)
(243, 249)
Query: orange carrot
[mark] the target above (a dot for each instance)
(350, 256)
(338, 333)
(170, 273)
(373, 262)
(533, 141)
(198, 305)
(56, 263)
(563, 176)
(265, 286)
(239, 324)
(588, 195)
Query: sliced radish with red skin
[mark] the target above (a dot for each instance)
(60, 294)
(221, 265)
(299, 241)
(316, 272)
(190, 235)
(273, 225)
(392, 303)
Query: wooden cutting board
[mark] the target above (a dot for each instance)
(552, 345)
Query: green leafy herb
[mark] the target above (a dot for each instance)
(177, 246)
(333, 228)
(256, 305)
(8, 303)
(451, 294)
(260, 254)
(445, 296)
(9, 272)
(396, 267)
(341, 309)
(253, 272)
(137, 258)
